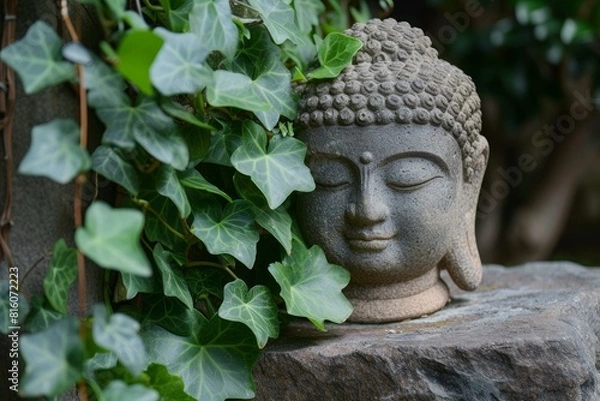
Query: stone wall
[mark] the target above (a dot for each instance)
(42, 209)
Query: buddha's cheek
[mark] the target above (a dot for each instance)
(423, 240)
(322, 221)
(426, 220)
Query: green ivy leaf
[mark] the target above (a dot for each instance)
(576, 31)
(278, 221)
(137, 50)
(119, 13)
(119, 333)
(232, 89)
(147, 125)
(135, 20)
(119, 391)
(169, 313)
(255, 308)
(105, 86)
(170, 387)
(179, 66)
(55, 152)
(178, 15)
(53, 359)
(277, 170)
(7, 302)
(154, 228)
(76, 53)
(40, 318)
(335, 53)
(174, 284)
(229, 231)
(261, 60)
(204, 282)
(311, 287)
(111, 238)
(135, 284)
(107, 162)
(60, 276)
(191, 178)
(121, 121)
(278, 17)
(117, 7)
(214, 361)
(100, 361)
(274, 86)
(307, 13)
(176, 110)
(168, 185)
(211, 22)
(36, 59)
(302, 56)
(222, 144)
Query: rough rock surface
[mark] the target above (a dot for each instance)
(528, 333)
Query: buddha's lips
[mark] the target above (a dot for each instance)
(367, 236)
(368, 242)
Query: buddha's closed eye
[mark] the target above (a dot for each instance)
(411, 173)
(402, 174)
(331, 173)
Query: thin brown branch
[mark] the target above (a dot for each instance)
(64, 13)
(79, 181)
(7, 102)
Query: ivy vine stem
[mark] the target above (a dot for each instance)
(149, 208)
(209, 305)
(199, 103)
(152, 6)
(79, 181)
(96, 389)
(105, 291)
(33, 266)
(212, 264)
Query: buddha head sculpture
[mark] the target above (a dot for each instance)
(395, 150)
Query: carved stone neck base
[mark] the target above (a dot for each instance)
(395, 302)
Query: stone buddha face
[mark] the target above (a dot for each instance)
(383, 208)
(395, 151)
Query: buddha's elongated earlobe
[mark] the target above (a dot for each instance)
(462, 260)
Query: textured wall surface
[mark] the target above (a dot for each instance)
(42, 209)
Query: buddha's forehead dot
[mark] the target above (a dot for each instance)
(366, 157)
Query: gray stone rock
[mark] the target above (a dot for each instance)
(528, 333)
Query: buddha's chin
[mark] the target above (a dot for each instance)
(377, 269)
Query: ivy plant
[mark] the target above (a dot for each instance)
(198, 106)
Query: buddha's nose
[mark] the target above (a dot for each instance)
(368, 209)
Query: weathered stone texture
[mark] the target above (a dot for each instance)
(42, 210)
(528, 333)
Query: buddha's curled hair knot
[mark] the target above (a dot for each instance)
(397, 78)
